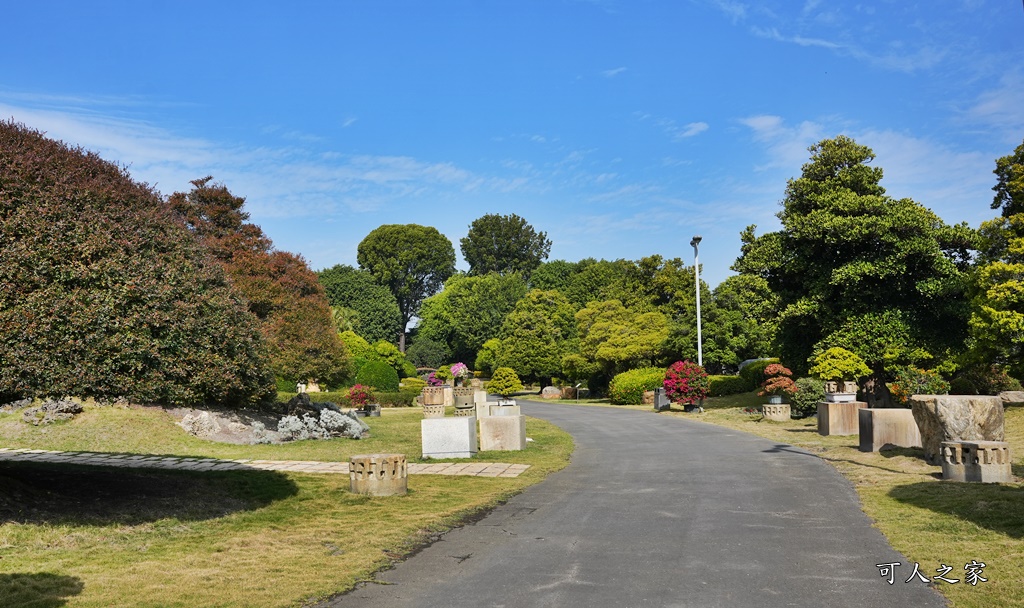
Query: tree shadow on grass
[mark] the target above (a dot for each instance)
(38, 589)
(40, 493)
(998, 507)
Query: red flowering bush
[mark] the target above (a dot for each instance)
(686, 382)
(778, 381)
(360, 395)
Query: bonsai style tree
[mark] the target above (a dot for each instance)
(778, 381)
(838, 366)
(505, 382)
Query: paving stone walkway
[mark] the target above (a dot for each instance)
(474, 469)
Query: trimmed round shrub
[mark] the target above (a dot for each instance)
(686, 382)
(809, 391)
(753, 372)
(720, 386)
(379, 375)
(628, 388)
(962, 386)
(504, 382)
(413, 384)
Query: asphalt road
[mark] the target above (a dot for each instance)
(660, 511)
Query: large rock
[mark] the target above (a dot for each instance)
(551, 392)
(1012, 397)
(956, 418)
(51, 411)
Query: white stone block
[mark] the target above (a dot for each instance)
(505, 410)
(449, 437)
(503, 433)
(483, 410)
(479, 396)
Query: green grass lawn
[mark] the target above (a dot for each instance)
(91, 536)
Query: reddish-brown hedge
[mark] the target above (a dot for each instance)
(104, 292)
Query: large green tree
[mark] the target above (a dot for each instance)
(278, 286)
(412, 261)
(853, 267)
(376, 311)
(104, 293)
(537, 334)
(619, 339)
(469, 310)
(504, 244)
(997, 318)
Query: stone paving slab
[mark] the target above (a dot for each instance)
(140, 461)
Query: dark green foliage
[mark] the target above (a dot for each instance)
(469, 311)
(379, 375)
(809, 391)
(536, 335)
(376, 311)
(753, 372)
(849, 257)
(720, 386)
(553, 275)
(286, 386)
(628, 388)
(104, 293)
(504, 244)
(412, 261)
(983, 380)
(425, 352)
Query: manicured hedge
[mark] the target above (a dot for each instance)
(720, 386)
(753, 372)
(628, 388)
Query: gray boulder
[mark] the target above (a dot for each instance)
(956, 418)
(1012, 397)
(51, 411)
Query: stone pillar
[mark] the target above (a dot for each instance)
(774, 411)
(378, 474)
(987, 461)
(503, 433)
(433, 395)
(883, 428)
(505, 410)
(839, 418)
(449, 437)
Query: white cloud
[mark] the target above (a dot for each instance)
(694, 128)
(786, 146)
(613, 72)
(1002, 107)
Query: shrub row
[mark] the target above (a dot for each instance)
(753, 372)
(720, 386)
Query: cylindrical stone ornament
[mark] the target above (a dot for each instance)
(378, 474)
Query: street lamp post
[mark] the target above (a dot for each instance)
(694, 242)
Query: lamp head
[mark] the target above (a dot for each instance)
(695, 241)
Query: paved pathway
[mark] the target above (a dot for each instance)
(475, 469)
(660, 511)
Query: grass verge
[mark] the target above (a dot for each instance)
(86, 536)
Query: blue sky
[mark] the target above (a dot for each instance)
(621, 128)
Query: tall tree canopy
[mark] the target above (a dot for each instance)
(104, 293)
(279, 287)
(412, 261)
(504, 244)
(997, 318)
(539, 331)
(376, 311)
(469, 311)
(853, 267)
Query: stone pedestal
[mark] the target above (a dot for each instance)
(778, 412)
(449, 437)
(503, 433)
(839, 418)
(449, 396)
(432, 395)
(479, 396)
(883, 428)
(952, 453)
(464, 396)
(987, 461)
(505, 410)
(956, 418)
(433, 411)
(465, 412)
(378, 474)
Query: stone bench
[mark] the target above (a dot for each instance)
(984, 461)
(882, 428)
(378, 474)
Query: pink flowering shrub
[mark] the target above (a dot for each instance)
(459, 372)
(433, 380)
(360, 395)
(686, 382)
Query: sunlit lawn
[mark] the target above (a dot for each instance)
(107, 537)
